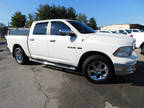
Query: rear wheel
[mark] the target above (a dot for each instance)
(20, 56)
(97, 69)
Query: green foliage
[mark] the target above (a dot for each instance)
(58, 12)
(55, 12)
(92, 23)
(18, 20)
(43, 12)
(71, 13)
(82, 18)
(30, 20)
(51, 12)
(3, 31)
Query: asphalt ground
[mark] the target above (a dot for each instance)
(38, 86)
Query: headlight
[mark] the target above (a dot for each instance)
(123, 51)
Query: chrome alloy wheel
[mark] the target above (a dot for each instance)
(97, 70)
(19, 56)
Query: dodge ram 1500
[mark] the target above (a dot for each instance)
(73, 45)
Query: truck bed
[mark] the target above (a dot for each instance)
(21, 40)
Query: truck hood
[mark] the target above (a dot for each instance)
(109, 38)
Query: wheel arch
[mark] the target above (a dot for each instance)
(90, 53)
(142, 45)
(16, 46)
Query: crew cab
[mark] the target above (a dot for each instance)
(73, 45)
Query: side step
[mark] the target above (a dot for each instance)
(53, 64)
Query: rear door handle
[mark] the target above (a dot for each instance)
(52, 40)
(31, 39)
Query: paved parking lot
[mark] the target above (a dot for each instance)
(38, 86)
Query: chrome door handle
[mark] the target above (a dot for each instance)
(31, 39)
(52, 40)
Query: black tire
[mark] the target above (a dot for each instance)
(142, 50)
(109, 73)
(20, 56)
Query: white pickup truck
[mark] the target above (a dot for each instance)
(73, 45)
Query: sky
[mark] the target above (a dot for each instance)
(106, 12)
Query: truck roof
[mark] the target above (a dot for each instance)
(54, 20)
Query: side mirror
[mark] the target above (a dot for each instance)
(67, 32)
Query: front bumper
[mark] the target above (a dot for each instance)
(127, 67)
(122, 69)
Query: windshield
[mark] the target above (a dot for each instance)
(82, 28)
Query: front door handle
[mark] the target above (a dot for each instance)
(31, 39)
(52, 40)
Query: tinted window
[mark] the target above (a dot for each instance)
(121, 31)
(113, 31)
(40, 29)
(82, 28)
(141, 30)
(128, 31)
(56, 26)
(135, 31)
(19, 32)
(104, 31)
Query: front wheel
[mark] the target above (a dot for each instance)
(20, 56)
(97, 69)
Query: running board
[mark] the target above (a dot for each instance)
(53, 64)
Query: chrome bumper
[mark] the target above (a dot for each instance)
(122, 69)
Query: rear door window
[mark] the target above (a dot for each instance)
(40, 29)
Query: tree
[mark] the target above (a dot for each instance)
(59, 12)
(31, 19)
(2, 25)
(3, 31)
(92, 23)
(43, 12)
(71, 13)
(55, 12)
(18, 20)
(62, 12)
(82, 17)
